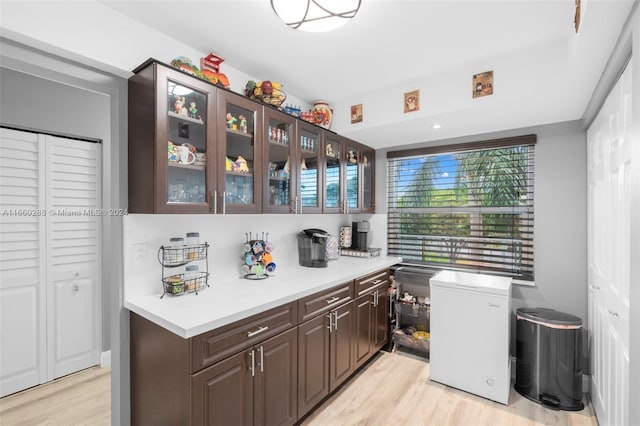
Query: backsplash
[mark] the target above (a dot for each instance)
(145, 233)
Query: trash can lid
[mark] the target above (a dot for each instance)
(549, 317)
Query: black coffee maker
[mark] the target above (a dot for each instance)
(312, 248)
(360, 235)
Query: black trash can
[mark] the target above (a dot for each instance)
(549, 358)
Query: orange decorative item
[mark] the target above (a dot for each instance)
(322, 114)
(210, 68)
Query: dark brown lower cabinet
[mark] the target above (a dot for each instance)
(257, 386)
(380, 318)
(341, 346)
(362, 342)
(371, 323)
(223, 393)
(275, 388)
(325, 355)
(313, 363)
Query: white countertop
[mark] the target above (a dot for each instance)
(231, 298)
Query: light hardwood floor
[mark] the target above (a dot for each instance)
(82, 398)
(394, 389)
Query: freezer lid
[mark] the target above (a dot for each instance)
(475, 282)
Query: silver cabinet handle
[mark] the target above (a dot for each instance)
(333, 299)
(330, 326)
(337, 317)
(300, 205)
(258, 331)
(376, 282)
(75, 288)
(253, 363)
(375, 301)
(214, 201)
(377, 297)
(224, 202)
(261, 350)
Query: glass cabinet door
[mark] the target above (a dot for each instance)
(239, 143)
(310, 181)
(333, 199)
(186, 178)
(280, 162)
(352, 175)
(368, 175)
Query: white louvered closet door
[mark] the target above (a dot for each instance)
(73, 241)
(23, 361)
(49, 258)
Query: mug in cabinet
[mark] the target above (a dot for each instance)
(185, 156)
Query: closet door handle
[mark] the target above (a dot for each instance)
(261, 350)
(252, 367)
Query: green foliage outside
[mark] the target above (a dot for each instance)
(494, 178)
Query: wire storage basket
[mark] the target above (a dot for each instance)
(187, 282)
(179, 284)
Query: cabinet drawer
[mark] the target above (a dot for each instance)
(211, 347)
(368, 282)
(324, 301)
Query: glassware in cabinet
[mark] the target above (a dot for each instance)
(281, 169)
(240, 157)
(310, 181)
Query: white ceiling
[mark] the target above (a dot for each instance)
(544, 72)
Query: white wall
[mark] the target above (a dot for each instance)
(145, 233)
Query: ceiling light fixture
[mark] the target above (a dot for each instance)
(436, 126)
(315, 15)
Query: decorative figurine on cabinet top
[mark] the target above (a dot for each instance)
(210, 65)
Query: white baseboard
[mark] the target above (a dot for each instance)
(105, 359)
(585, 378)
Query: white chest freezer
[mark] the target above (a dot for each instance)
(470, 333)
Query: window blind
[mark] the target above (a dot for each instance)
(467, 206)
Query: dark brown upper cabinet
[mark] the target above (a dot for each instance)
(239, 157)
(172, 141)
(197, 148)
